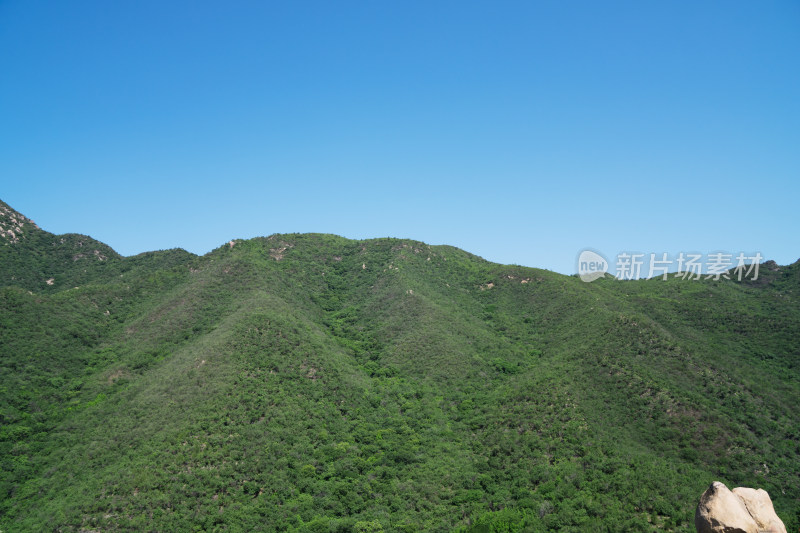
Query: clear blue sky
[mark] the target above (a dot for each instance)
(520, 131)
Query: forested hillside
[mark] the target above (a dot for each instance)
(307, 382)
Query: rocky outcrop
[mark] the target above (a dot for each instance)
(759, 505)
(721, 511)
(743, 510)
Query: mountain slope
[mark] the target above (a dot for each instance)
(314, 383)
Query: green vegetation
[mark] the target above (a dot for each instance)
(314, 383)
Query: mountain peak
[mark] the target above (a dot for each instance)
(13, 225)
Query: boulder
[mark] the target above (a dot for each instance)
(721, 511)
(743, 510)
(759, 505)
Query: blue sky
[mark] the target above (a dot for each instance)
(520, 131)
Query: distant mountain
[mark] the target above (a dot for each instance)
(315, 383)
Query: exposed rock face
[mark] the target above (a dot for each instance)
(720, 511)
(742, 510)
(12, 224)
(759, 505)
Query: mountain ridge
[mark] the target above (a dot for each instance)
(313, 383)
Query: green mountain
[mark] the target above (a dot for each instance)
(315, 383)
